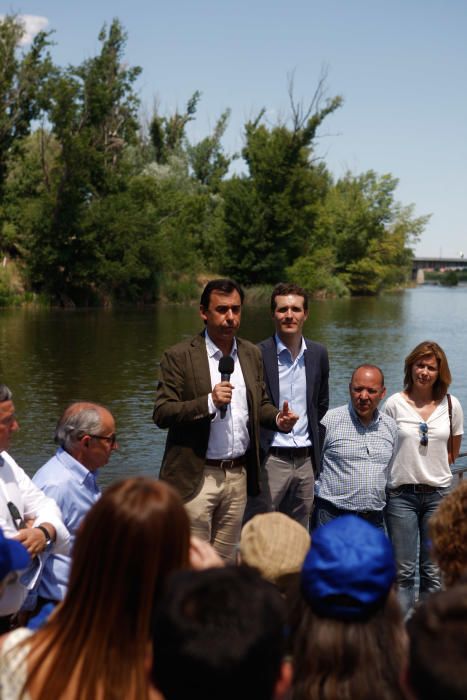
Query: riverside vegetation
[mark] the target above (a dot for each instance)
(97, 207)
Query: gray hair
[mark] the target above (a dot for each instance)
(5, 393)
(74, 424)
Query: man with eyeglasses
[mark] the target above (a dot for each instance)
(359, 447)
(86, 438)
(26, 515)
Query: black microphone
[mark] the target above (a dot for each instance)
(226, 368)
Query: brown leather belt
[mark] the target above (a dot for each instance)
(226, 463)
(290, 452)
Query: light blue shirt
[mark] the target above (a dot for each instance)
(356, 459)
(292, 388)
(75, 490)
(228, 436)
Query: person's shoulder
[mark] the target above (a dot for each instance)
(394, 399)
(11, 639)
(456, 406)
(8, 459)
(267, 343)
(52, 473)
(336, 414)
(388, 420)
(186, 345)
(455, 401)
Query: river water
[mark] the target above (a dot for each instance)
(52, 357)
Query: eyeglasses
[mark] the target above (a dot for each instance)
(423, 430)
(111, 439)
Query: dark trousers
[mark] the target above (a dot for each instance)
(325, 512)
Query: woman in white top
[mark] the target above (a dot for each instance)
(421, 473)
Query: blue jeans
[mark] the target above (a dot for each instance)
(326, 511)
(407, 517)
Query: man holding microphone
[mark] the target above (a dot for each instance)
(212, 399)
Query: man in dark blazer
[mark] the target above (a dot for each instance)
(296, 371)
(212, 449)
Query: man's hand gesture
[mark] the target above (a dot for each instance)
(286, 418)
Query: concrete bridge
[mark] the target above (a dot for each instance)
(420, 265)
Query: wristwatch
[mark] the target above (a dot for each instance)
(48, 538)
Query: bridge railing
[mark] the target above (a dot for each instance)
(460, 467)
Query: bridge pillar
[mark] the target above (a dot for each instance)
(420, 276)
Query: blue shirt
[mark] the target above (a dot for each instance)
(356, 459)
(75, 490)
(292, 388)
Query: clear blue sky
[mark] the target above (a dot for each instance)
(400, 66)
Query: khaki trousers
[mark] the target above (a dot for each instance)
(216, 511)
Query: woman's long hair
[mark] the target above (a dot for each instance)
(96, 643)
(448, 533)
(338, 660)
(444, 379)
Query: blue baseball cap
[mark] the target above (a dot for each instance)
(13, 556)
(349, 569)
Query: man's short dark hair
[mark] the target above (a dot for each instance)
(285, 288)
(224, 285)
(438, 646)
(218, 633)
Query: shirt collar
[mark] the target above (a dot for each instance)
(79, 471)
(280, 346)
(214, 351)
(376, 416)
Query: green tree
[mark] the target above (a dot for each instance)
(370, 233)
(207, 159)
(93, 117)
(24, 96)
(270, 212)
(168, 134)
(23, 87)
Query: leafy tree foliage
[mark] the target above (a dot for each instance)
(93, 117)
(23, 87)
(369, 232)
(94, 208)
(270, 213)
(207, 159)
(168, 134)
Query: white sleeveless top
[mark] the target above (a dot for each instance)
(13, 670)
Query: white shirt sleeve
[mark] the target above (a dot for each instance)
(32, 503)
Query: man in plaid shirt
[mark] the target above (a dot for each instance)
(358, 450)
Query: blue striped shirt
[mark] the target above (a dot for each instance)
(356, 459)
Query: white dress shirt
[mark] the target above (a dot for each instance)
(228, 437)
(18, 488)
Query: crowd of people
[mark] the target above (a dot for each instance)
(275, 558)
